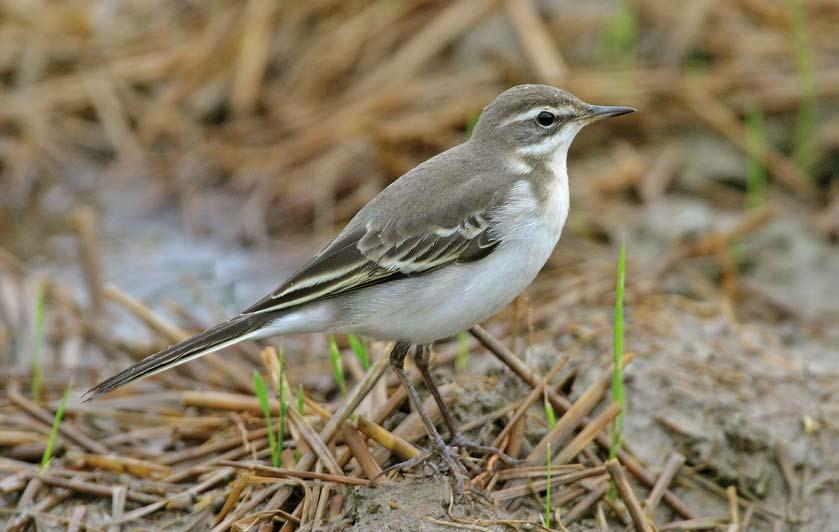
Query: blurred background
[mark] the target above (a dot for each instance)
(188, 155)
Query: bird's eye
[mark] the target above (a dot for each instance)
(546, 118)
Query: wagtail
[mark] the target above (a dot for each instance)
(445, 246)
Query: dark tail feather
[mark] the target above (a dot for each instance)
(214, 338)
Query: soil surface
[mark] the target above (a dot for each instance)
(749, 401)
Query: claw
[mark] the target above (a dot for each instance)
(459, 441)
(445, 452)
(456, 467)
(462, 488)
(407, 464)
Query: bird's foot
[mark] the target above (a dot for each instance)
(410, 463)
(442, 451)
(462, 488)
(459, 441)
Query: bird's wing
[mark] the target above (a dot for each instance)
(385, 249)
(374, 248)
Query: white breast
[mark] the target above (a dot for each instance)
(444, 302)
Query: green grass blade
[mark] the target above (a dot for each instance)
(755, 167)
(46, 458)
(471, 122)
(281, 350)
(262, 397)
(617, 372)
(337, 366)
(551, 416)
(38, 342)
(281, 391)
(360, 350)
(462, 360)
(301, 402)
(549, 412)
(281, 397)
(548, 510)
(617, 351)
(619, 39)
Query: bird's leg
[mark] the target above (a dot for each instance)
(422, 356)
(397, 358)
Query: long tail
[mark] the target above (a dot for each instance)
(222, 335)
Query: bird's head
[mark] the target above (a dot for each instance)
(536, 121)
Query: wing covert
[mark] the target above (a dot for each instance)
(363, 257)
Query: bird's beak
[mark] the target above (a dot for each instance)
(597, 112)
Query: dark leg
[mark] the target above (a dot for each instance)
(421, 359)
(397, 358)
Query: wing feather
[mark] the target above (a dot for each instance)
(438, 213)
(365, 257)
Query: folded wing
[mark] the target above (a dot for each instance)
(370, 255)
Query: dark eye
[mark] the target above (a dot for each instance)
(546, 118)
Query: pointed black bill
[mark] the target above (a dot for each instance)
(596, 112)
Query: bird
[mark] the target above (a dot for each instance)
(445, 246)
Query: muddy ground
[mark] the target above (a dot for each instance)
(746, 390)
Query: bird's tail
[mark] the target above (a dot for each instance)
(222, 335)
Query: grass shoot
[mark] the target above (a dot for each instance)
(551, 417)
(548, 509)
(619, 39)
(471, 122)
(617, 352)
(38, 342)
(301, 401)
(337, 366)
(549, 411)
(265, 406)
(755, 167)
(462, 360)
(281, 398)
(357, 346)
(46, 458)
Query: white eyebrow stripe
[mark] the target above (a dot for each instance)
(530, 113)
